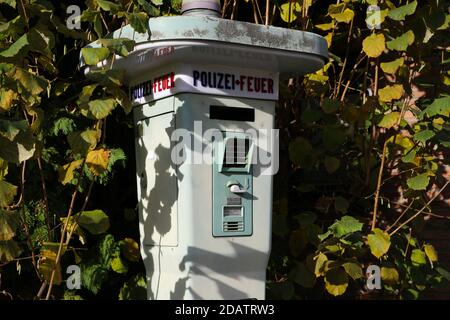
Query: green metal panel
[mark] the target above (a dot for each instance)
(232, 211)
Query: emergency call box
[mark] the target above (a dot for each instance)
(204, 92)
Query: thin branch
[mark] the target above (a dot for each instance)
(61, 242)
(24, 14)
(41, 289)
(77, 217)
(346, 57)
(421, 210)
(377, 192)
(400, 216)
(44, 190)
(407, 243)
(104, 22)
(234, 11)
(255, 14)
(347, 84)
(224, 7)
(259, 10)
(274, 10)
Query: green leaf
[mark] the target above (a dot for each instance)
(41, 40)
(63, 125)
(47, 263)
(134, 289)
(440, 106)
(389, 275)
(13, 28)
(306, 218)
(108, 5)
(330, 105)
(95, 221)
(120, 46)
(92, 56)
(11, 3)
(430, 252)
(83, 141)
(299, 151)
(389, 93)
(150, 9)
(379, 242)
(93, 276)
(122, 99)
(325, 26)
(302, 276)
(98, 109)
(336, 281)
(30, 83)
(341, 205)
(289, 11)
(107, 249)
(424, 136)
(86, 93)
(139, 21)
(3, 168)
(9, 250)
(401, 12)
(374, 45)
(418, 257)
(8, 150)
(10, 129)
(20, 149)
(6, 99)
(402, 42)
(68, 295)
(66, 172)
(9, 221)
(107, 77)
(340, 13)
(345, 16)
(345, 225)
(320, 262)
(443, 272)
(118, 265)
(130, 249)
(419, 182)
(7, 193)
(17, 47)
(353, 269)
(297, 242)
(97, 161)
(333, 138)
(389, 120)
(331, 164)
(392, 66)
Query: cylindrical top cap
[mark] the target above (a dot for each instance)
(201, 7)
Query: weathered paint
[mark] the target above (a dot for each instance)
(287, 48)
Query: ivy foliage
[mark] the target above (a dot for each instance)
(373, 120)
(374, 117)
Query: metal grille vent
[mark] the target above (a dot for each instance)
(233, 226)
(236, 152)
